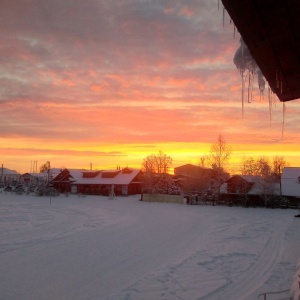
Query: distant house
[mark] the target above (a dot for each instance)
(196, 178)
(8, 176)
(33, 178)
(290, 183)
(99, 182)
(249, 190)
(193, 178)
(192, 170)
(36, 178)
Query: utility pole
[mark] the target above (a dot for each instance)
(48, 184)
(48, 172)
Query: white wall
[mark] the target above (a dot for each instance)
(290, 185)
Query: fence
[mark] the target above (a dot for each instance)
(163, 198)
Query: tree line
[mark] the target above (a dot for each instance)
(217, 159)
(158, 165)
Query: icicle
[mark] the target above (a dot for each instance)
(279, 81)
(261, 82)
(261, 95)
(243, 88)
(248, 70)
(250, 85)
(270, 105)
(283, 118)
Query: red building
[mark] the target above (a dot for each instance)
(99, 182)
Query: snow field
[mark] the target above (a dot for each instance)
(124, 249)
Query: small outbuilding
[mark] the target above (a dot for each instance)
(8, 176)
(249, 190)
(290, 185)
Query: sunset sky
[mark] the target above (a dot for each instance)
(110, 82)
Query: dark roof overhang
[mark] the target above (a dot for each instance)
(270, 29)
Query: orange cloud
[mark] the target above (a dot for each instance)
(133, 80)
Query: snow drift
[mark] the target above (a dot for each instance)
(95, 248)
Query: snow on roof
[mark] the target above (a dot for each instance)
(8, 172)
(76, 174)
(53, 171)
(106, 177)
(251, 178)
(259, 188)
(248, 178)
(290, 181)
(38, 175)
(290, 172)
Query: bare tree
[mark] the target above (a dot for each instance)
(203, 161)
(269, 189)
(279, 163)
(219, 155)
(159, 163)
(248, 166)
(270, 177)
(263, 167)
(45, 167)
(163, 163)
(148, 164)
(148, 167)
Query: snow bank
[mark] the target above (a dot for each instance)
(296, 283)
(125, 249)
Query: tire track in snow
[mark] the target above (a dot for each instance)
(39, 222)
(256, 274)
(227, 273)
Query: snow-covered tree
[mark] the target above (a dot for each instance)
(155, 166)
(166, 185)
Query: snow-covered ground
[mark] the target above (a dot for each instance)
(124, 249)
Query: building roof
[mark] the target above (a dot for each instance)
(104, 177)
(37, 175)
(290, 172)
(8, 172)
(257, 187)
(270, 29)
(251, 178)
(290, 181)
(189, 169)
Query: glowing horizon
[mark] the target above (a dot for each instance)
(109, 83)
